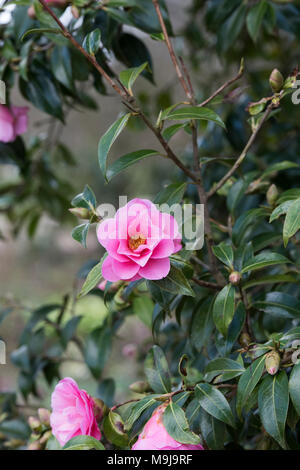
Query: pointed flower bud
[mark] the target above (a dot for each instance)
(276, 80)
(244, 340)
(34, 424)
(272, 362)
(235, 277)
(80, 212)
(272, 194)
(44, 416)
(139, 387)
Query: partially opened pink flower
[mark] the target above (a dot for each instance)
(13, 122)
(139, 241)
(73, 412)
(155, 437)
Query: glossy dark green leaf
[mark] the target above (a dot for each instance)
(194, 112)
(213, 430)
(93, 278)
(202, 324)
(108, 139)
(255, 18)
(292, 221)
(264, 260)
(80, 232)
(143, 308)
(273, 403)
(61, 66)
(97, 350)
(171, 194)
(214, 403)
(138, 408)
(83, 443)
(279, 304)
(92, 42)
(129, 76)
(224, 253)
(175, 283)
(294, 387)
(113, 428)
(157, 370)
(223, 309)
(246, 222)
(223, 369)
(86, 199)
(248, 382)
(127, 160)
(177, 426)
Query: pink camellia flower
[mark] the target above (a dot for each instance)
(155, 436)
(74, 412)
(13, 122)
(139, 241)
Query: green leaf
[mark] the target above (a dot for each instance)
(83, 443)
(271, 279)
(273, 403)
(175, 283)
(92, 42)
(194, 112)
(248, 382)
(223, 309)
(86, 199)
(93, 278)
(294, 387)
(157, 370)
(41, 31)
(171, 194)
(255, 18)
(224, 253)
(263, 260)
(280, 166)
(202, 324)
(231, 28)
(108, 139)
(143, 308)
(292, 221)
(128, 160)
(246, 223)
(214, 403)
(177, 426)
(113, 428)
(138, 408)
(223, 369)
(80, 232)
(279, 304)
(235, 328)
(129, 76)
(97, 350)
(168, 132)
(212, 430)
(280, 210)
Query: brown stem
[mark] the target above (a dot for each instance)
(209, 285)
(247, 328)
(89, 57)
(222, 88)
(242, 156)
(171, 50)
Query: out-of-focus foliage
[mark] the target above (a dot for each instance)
(220, 342)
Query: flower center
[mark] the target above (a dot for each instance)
(135, 241)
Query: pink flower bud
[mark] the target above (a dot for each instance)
(13, 122)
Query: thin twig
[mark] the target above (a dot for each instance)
(209, 285)
(171, 50)
(242, 156)
(222, 88)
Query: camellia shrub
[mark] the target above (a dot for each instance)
(210, 264)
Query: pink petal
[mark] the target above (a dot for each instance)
(21, 119)
(126, 270)
(164, 249)
(6, 132)
(156, 269)
(107, 270)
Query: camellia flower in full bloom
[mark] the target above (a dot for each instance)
(74, 412)
(155, 437)
(139, 241)
(13, 122)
